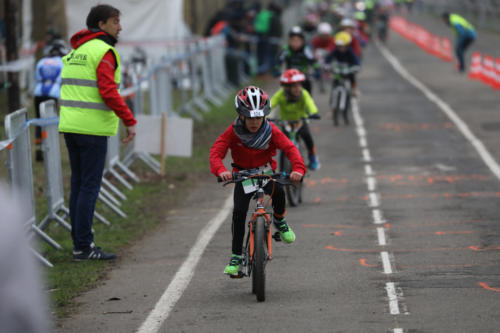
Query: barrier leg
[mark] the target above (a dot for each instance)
(41, 258)
(46, 237)
(62, 222)
(101, 218)
(113, 189)
(127, 171)
(110, 197)
(201, 104)
(108, 203)
(120, 178)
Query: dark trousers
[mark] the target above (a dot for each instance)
(462, 45)
(241, 203)
(87, 155)
(305, 134)
(38, 130)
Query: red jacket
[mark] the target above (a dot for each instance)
(320, 43)
(106, 78)
(249, 158)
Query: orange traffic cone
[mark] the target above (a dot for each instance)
(446, 53)
(476, 67)
(488, 70)
(496, 83)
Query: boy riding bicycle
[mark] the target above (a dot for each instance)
(295, 103)
(253, 142)
(344, 54)
(297, 54)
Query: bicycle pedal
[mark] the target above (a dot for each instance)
(277, 236)
(239, 276)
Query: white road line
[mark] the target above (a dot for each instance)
(393, 298)
(185, 273)
(376, 213)
(386, 262)
(362, 142)
(371, 183)
(377, 216)
(459, 123)
(398, 330)
(361, 132)
(366, 155)
(381, 237)
(374, 202)
(368, 170)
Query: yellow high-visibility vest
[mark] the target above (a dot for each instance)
(83, 110)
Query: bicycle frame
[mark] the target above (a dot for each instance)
(260, 212)
(340, 92)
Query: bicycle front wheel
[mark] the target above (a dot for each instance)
(259, 260)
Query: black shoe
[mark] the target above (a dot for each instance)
(39, 156)
(92, 253)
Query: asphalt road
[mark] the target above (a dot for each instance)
(398, 231)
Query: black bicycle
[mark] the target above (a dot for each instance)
(257, 250)
(291, 129)
(340, 97)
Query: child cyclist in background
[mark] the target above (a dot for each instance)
(298, 55)
(295, 103)
(344, 54)
(253, 142)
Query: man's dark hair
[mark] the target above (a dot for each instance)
(101, 13)
(445, 15)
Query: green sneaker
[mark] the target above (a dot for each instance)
(286, 232)
(234, 265)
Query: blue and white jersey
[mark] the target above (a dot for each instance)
(48, 77)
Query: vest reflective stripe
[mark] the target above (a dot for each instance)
(80, 82)
(85, 105)
(83, 110)
(457, 19)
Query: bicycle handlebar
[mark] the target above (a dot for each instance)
(279, 177)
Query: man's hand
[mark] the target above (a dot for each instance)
(130, 134)
(226, 176)
(296, 176)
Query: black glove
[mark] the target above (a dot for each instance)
(315, 116)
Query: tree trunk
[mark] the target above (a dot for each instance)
(11, 27)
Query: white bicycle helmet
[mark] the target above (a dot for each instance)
(347, 23)
(324, 28)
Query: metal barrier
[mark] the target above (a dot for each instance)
(196, 75)
(21, 173)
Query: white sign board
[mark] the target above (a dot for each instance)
(178, 135)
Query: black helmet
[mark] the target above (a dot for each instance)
(56, 48)
(296, 31)
(252, 102)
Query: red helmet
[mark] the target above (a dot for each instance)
(292, 76)
(252, 102)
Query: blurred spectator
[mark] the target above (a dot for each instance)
(268, 28)
(22, 305)
(48, 83)
(465, 33)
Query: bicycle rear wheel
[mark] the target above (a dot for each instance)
(259, 260)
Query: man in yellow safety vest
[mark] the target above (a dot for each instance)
(465, 35)
(91, 107)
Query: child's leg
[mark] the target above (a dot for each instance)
(278, 196)
(305, 134)
(241, 202)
